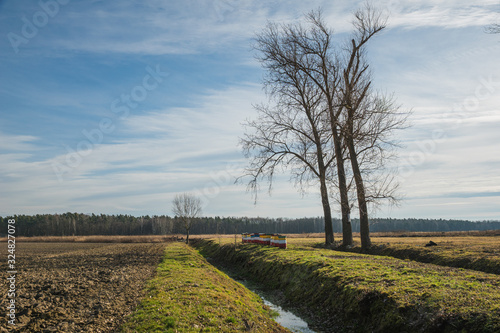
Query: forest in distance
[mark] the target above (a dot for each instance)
(77, 224)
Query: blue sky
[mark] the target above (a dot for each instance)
(115, 107)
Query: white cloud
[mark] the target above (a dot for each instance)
(441, 13)
(155, 28)
(17, 143)
(444, 17)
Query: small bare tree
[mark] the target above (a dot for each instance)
(186, 207)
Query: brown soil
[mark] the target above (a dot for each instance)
(77, 287)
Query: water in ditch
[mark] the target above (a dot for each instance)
(285, 318)
(288, 319)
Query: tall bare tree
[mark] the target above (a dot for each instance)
(315, 44)
(368, 120)
(359, 121)
(186, 207)
(291, 133)
(308, 51)
(354, 89)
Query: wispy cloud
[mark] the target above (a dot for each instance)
(166, 152)
(442, 13)
(155, 28)
(17, 143)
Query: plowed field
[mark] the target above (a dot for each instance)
(77, 287)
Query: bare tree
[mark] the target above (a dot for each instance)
(308, 51)
(355, 124)
(291, 133)
(368, 120)
(354, 92)
(186, 207)
(361, 122)
(323, 67)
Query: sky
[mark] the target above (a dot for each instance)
(114, 107)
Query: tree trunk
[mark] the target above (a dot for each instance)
(344, 199)
(364, 227)
(329, 238)
(325, 200)
(187, 224)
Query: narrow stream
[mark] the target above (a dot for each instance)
(288, 319)
(285, 318)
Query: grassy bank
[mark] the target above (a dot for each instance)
(474, 251)
(360, 293)
(190, 295)
(477, 253)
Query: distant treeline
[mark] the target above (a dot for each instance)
(69, 224)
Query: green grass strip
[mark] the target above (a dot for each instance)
(469, 256)
(373, 293)
(190, 295)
